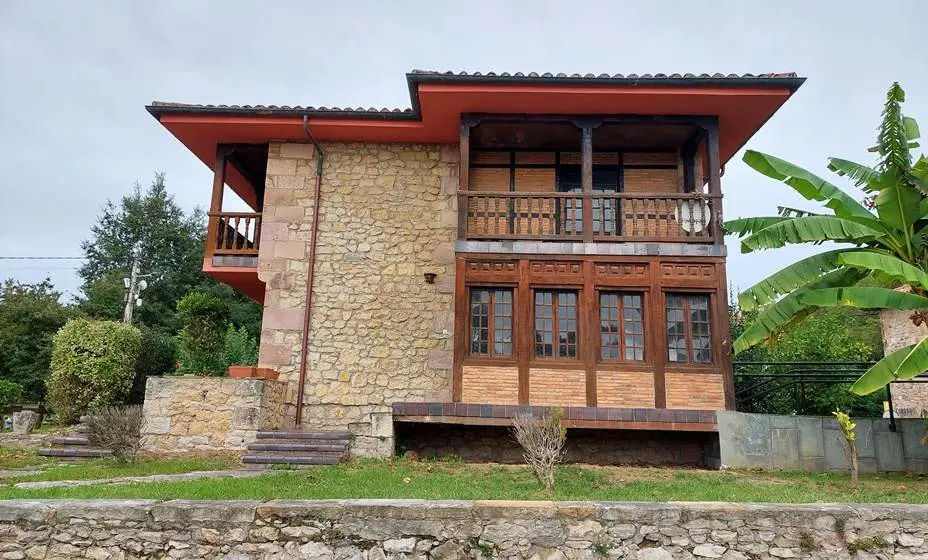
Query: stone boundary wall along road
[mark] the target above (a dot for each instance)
(413, 529)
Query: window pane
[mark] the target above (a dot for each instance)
(544, 324)
(676, 329)
(502, 324)
(609, 326)
(567, 324)
(633, 326)
(479, 321)
(699, 325)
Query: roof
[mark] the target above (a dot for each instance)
(741, 103)
(414, 78)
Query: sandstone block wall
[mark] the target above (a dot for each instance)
(416, 529)
(909, 399)
(379, 332)
(209, 413)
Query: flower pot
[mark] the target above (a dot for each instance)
(270, 374)
(241, 372)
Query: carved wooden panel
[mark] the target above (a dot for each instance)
(555, 267)
(492, 266)
(633, 271)
(684, 271)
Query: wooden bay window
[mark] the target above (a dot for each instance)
(621, 326)
(491, 322)
(688, 328)
(555, 324)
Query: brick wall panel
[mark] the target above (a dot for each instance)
(702, 391)
(490, 385)
(625, 389)
(557, 387)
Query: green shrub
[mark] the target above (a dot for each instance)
(202, 338)
(157, 356)
(92, 366)
(240, 348)
(10, 393)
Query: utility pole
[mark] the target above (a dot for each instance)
(134, 285)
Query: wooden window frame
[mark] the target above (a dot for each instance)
(688, 328)
(555, 320)
(491, 324)
(598, 319)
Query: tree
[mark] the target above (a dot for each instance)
(30, 315)
(170, 243)
(889, 244)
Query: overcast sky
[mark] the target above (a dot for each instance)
(75, 77)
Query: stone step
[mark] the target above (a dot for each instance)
(299, 447)
(81, 452)
(70, 440)
(289, 460)
(304, 435)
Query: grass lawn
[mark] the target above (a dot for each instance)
(456, 480)
(17, 458)
(107, 468)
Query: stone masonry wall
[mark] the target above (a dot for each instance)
(415, 529)
(379, 332)
(909, 399)
(208, 413)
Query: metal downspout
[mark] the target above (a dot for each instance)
(307, 312)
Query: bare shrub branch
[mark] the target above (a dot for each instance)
(542, 441)
(117, 428)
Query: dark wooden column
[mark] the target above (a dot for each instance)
(715, 179)
(586, 179)
(215, 203)
(463, 177)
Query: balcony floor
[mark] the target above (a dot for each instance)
(574, 416)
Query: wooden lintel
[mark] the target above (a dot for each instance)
(702, 121)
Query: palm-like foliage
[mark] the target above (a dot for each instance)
(889, 242)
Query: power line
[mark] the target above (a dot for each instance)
(32, 258)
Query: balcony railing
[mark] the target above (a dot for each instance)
(233, 233)
(612, 217)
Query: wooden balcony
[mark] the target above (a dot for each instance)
(596, 216)
(233, 234)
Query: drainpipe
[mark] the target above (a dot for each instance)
(307, 312)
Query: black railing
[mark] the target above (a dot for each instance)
(791, 387)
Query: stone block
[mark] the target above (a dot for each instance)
(275, 355)
(835, 456)
(25, 421)
(440, 358)
(889, 451)
(784, 448)
(449, 186)
(297, 150)
(246, 418)
(865, 432)
(277, 166)
(811, 437)
(382, 424)
(365, 447)
(283, 319)
(290, 250)
(157, 425)
(780, 421)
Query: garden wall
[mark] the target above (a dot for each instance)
(381, 529)
(814, 443)
(188, 413)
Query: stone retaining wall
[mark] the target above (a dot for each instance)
(380, 530)
(815, 444)
(189, 413)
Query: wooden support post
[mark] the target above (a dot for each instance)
(654, 301)
(460, 329)
(524, 330)
(463, 178)
(588, 346)
(586, 180)
(715, 179)
(215, 203)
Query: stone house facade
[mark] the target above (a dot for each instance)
(510, 243)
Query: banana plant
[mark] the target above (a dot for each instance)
(885, 237)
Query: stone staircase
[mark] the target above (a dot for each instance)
(74, 447)
(297, 449)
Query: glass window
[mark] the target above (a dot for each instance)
(555, 324)
(490, 322)
(621, 326)
(688, 334)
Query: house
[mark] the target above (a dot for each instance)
(511, 240)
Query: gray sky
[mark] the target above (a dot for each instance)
(76, 75)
